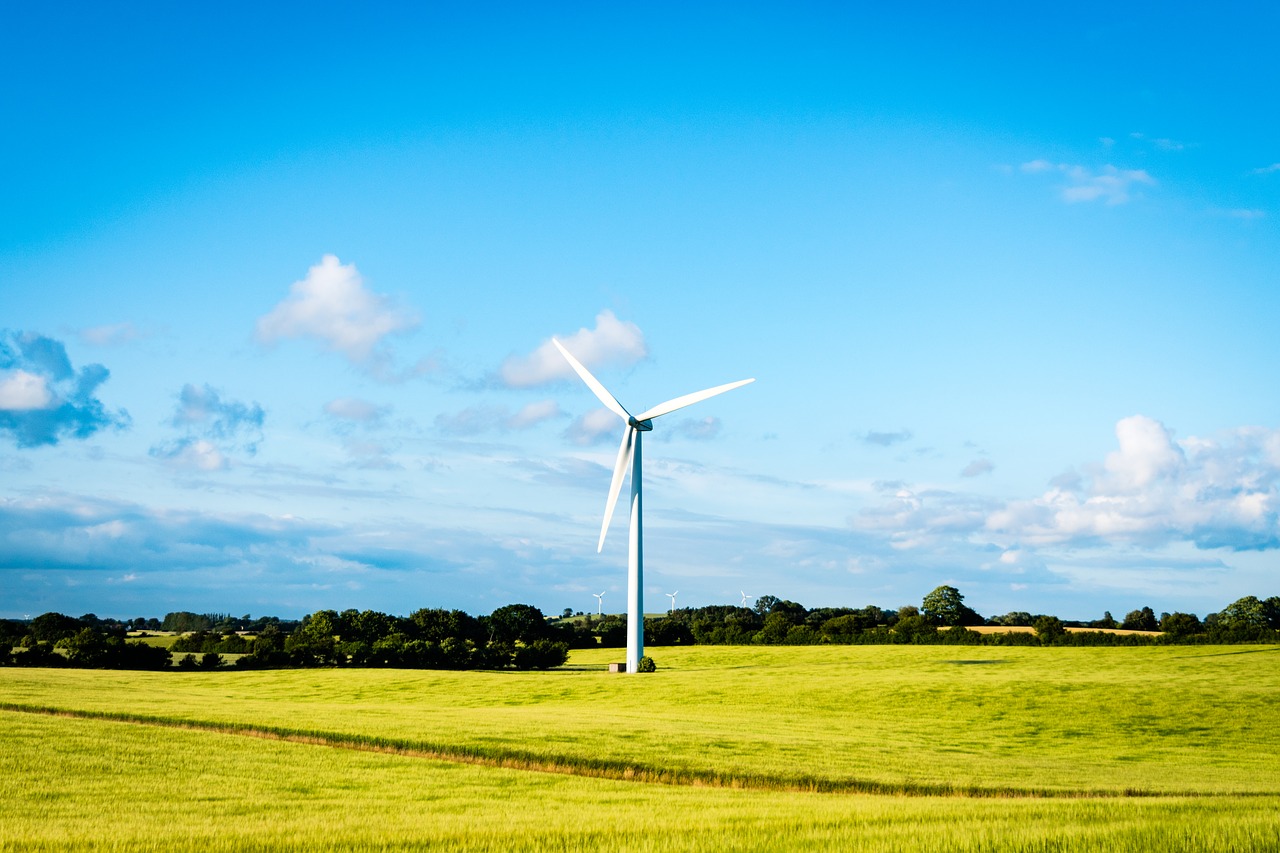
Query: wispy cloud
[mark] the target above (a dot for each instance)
(978, 467)
(886, 439)
(595, 427)
(1267, 170)
(43, 399)
(114, 334)
(697, 429)
(476, 420)
(1162, 143)
(612, 341)
(1110, 185)
(355, 410)
(213, 429)
(926, 518)
(333, 307)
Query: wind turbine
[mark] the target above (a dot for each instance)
(745, 597)
(600, 598)
(672, 596)
(629, 451)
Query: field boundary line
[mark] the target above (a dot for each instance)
(597, 768)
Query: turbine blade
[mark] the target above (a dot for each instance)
(615, 485)
(689, 400)
(594, 384)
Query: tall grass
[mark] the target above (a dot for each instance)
(77, 784)
(930, 719)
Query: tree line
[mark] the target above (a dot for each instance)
(520, 636)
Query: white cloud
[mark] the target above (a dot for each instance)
(534, 413)
(21, 391)
(594, 428)
(1266, 170)
(354, 409)
(195, 454)
(978, 467)
(887, 439)
(1246, 213)
(925, 518)
(1155, 490)
(332, 306)
(1108, 184)
(698, 429)
(1111, 185)
(612, 341)
(113, 334)
(475, 420)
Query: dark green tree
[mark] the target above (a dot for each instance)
(1050, 630)
(945, 606)
(914, 628)
(541, 654)
(517, 623)
(765, 603)
(51, 627)
(1140, 620)
(1181, 624)
(86, 648)
(1244, 614)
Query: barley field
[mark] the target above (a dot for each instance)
(727, 748)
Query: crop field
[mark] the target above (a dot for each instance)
(724, 748)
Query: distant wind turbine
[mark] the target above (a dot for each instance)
(745, 597)
(672, 596)
(600, 598)
(629, 451)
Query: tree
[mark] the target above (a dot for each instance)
(1140, 620)
(315, 642)
(1105, 622)
(945, 606)
(184, 621)
(438, 625)
(517, 623)
(86, 648)
(1181, 624)
(1244, 614)
(612, 633)
(1049, 630)
(541, 654)
(667, 631)
(841, 628)
(913, 628)
(774, 632)
(51, 627)
(765, 603)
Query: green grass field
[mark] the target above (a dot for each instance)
(851, 748)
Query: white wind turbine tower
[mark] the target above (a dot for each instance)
(745, 597)
(629, 451)
(600, 600)
(672, 596)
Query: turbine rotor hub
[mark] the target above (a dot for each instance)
(642, 426)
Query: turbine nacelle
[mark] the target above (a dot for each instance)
(635, 424)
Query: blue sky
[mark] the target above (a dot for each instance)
(279, 286)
